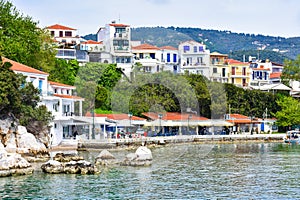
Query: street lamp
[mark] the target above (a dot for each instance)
(130, 116)
(189, 117)
(160, 117)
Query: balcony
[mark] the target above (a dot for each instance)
(66, 54)
(239, 75)
(123, 35)
(121, 48)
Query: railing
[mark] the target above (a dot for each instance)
(240, 74)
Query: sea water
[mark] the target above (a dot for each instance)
(185, 171)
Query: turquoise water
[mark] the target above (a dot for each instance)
(227, 171)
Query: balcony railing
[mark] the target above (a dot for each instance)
(239, 74)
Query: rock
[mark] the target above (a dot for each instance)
(72, 167)
(11, 146)
(21, 130)
(14, 165)
(1, 146)
(3, 154)
(53, 167)
(105, 158)
(143, 153)
(105, 155)
(28, 140)
(62, 157)
(142, 157)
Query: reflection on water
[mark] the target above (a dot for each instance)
(232, 171)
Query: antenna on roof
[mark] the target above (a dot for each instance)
(119, 18)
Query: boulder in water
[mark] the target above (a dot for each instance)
(142, 157)
(14, 164)
(105, 158)
(72, 167)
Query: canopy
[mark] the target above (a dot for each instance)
(277, 86)
(158, 122)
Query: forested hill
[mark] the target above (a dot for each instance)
(236, 45)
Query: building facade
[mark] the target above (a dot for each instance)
(116, 39)
(219, 69)
(67, 40)
(194, 58)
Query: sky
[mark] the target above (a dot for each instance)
(265, 17)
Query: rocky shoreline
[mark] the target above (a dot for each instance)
(20, 149)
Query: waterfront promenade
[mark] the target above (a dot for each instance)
(127, 142)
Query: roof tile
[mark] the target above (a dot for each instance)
(22, 68)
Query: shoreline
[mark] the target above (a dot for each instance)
(126, 144)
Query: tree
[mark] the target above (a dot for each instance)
(64, 71)
(94, 82)
(290, 112)
(291, 70)
(19, 98)
(22, 41)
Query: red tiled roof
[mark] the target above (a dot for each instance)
(175, 116)
(60, 27)
(275, 75)
(235, 62)
(67, 96)
(120, 116)
(145, 47)
(239, 119)
(91, 42)
(119, 25)
(168, 48)
(60, 84)
(22, 68)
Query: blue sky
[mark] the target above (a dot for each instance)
(266, 17)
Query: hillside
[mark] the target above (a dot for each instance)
(236, 45)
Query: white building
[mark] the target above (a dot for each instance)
(116, 39)
(60, 100)
(194, 58)
(265, 72)
(67, 39)
(170, 59)
(149, 57)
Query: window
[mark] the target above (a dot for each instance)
(52, 33)
(120, 42)
(120, 30)
(232, 80)
(168, 57)
(223, 72)
(55, 125)
(199, 60)
(244, 71)
(195, 49)
(189, 60)
(174, 58)
(152, 55)
(201, 49)
(61, 34)
(233, 70)
(186, 48)
(157, 68)
(141, 55)
(40, 85)
(68, 33)
(215, 70)
(68, 92)
(66, 108)
(244, 82)
(55, 91)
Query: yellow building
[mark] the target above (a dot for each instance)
(219, 68)
(239, 72)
